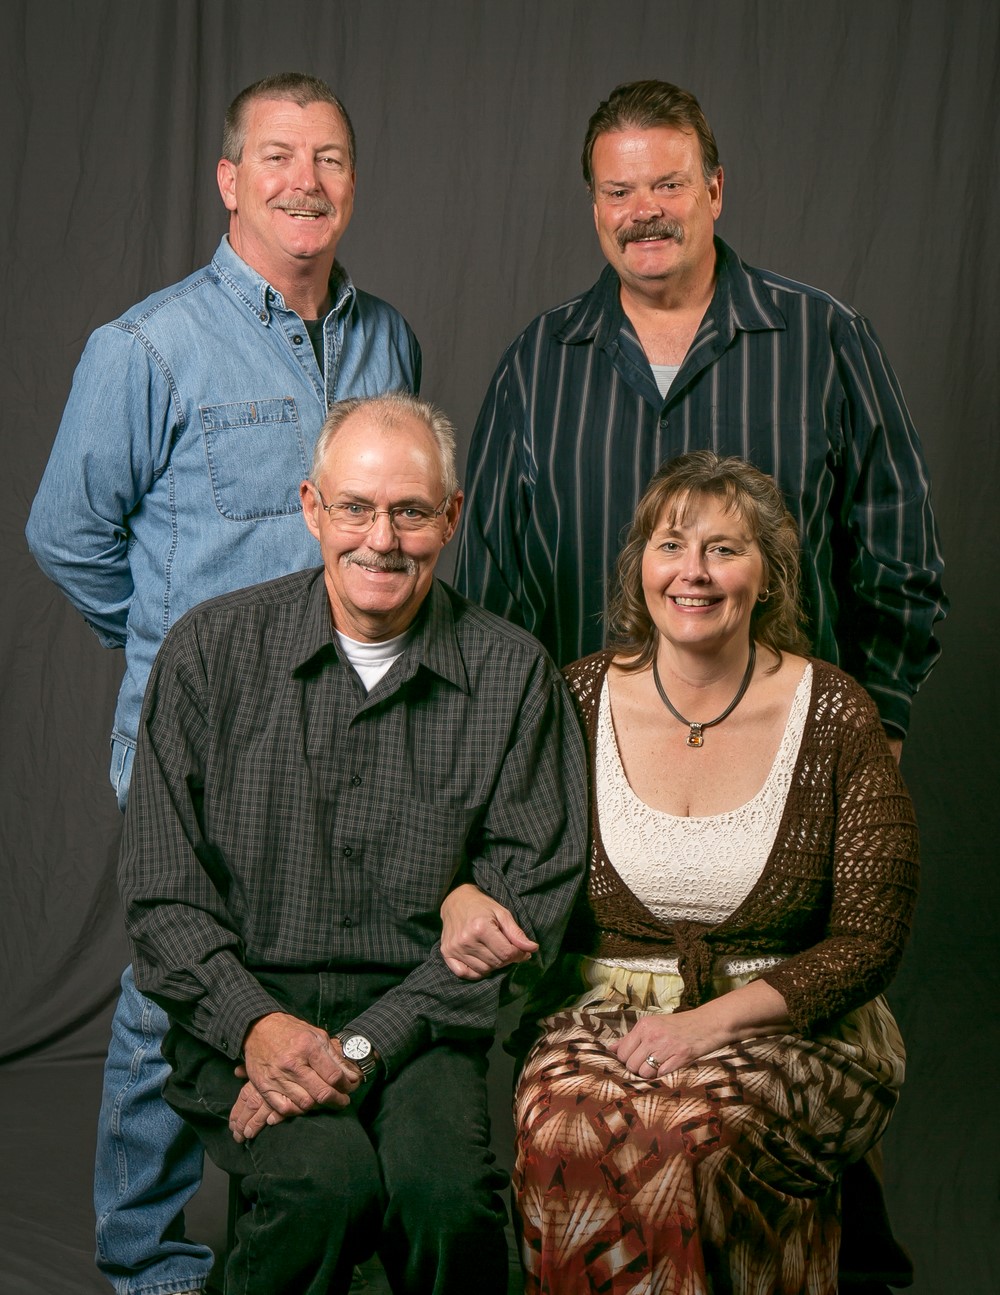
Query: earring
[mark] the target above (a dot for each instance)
(764, 595)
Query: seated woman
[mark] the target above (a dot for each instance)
(684, 1120)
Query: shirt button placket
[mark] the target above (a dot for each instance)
(347, 851)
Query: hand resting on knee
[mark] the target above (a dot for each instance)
(291, 1068)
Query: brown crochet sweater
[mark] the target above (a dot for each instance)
(836, 894)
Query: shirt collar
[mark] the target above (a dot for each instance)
(434, 644)
(260, 297)
(741, 301)
(598, 315)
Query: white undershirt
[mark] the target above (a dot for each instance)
(663, 376)
(692, 868)
(373, 660)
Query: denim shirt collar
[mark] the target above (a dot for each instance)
(259, 297)
(434, 644)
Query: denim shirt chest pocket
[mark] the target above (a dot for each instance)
(256, 457)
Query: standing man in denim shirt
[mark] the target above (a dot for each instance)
(175, 477)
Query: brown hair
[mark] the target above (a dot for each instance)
(755, 498)
(295, 86)
(640, 105)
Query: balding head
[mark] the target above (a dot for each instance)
(389, 411)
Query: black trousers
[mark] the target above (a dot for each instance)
(406, 1170)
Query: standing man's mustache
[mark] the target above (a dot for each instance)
(650, 229)
(319, 205)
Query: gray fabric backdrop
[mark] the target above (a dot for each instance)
(860, 147)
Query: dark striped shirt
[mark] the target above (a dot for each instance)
(281, 819)
(573, 427)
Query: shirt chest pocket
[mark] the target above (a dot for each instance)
(424, 848)
(256, 457)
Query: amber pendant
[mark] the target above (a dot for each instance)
(696, 737)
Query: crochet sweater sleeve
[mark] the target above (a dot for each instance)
(835, 898)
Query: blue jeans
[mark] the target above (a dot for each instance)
(149, 1162)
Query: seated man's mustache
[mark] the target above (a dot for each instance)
(650, 229)
(393, 561)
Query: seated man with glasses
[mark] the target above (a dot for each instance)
(321, 759)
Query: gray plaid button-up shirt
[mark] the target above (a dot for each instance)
(281, 819)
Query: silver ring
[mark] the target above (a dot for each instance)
(652, 1061)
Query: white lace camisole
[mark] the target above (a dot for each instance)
(692, 869)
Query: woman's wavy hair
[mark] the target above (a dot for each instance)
(673, 492)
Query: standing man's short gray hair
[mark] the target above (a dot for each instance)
(294, 86)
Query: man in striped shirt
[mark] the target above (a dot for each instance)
(681, 345)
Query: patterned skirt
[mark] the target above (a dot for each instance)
(721, 1178)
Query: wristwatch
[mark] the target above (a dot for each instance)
(358, 1049)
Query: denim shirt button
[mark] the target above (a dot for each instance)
(298, 339)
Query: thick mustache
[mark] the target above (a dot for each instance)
(651, 229)
(393, 561)
(319, 205)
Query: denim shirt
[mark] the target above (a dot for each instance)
(175, 472)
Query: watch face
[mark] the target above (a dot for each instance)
(356, 1047)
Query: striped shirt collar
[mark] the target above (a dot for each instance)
(741, 302)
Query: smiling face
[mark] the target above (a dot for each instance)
(377, 579)
(654, 211)
(702, 572)
(291, 195)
